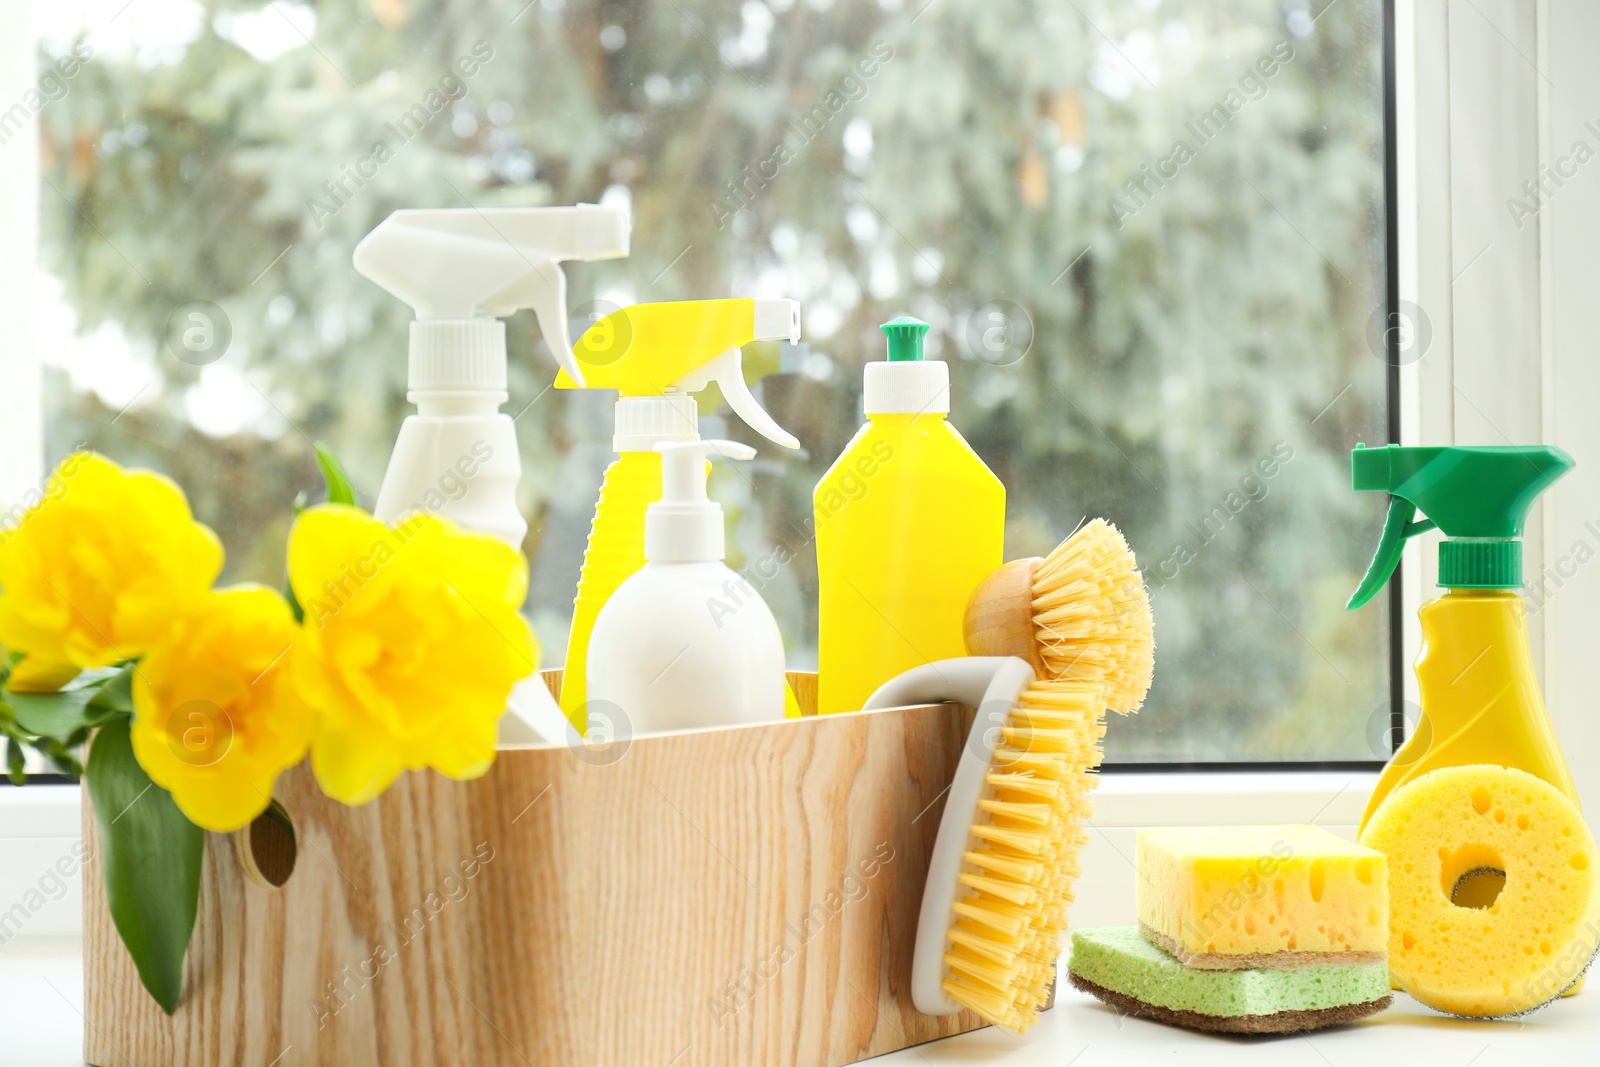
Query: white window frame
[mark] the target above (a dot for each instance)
(1515, 354)
(21, 422)
(1507, 325)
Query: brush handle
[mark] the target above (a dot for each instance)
(964, 681)
(992, 685)
(999, 617)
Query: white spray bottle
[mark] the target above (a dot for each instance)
(685, 642)
(461, 269)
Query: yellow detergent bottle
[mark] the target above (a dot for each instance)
(908, 522)
(656, 356)
(1480, 698)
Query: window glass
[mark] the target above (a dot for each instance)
(1150, 237)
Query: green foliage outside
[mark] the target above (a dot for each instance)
(1183, 336)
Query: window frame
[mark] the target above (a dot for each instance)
(1499, 118)
(21, 411)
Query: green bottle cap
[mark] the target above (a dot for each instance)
(1480, 564)
(1477, 497)
(905, 338)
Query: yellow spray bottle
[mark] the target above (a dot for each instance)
(1480, 698)
(656, 356)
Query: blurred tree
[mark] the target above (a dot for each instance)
(1149, 237)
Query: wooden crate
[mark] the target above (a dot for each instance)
(743, 897)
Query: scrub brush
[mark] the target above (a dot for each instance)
(1079, 614)
(994, 908)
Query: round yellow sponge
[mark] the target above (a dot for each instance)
(1494, 899)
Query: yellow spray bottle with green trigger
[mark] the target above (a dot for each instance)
(1480, 698)
(656, 356)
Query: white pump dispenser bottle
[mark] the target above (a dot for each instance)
(685, 642)
(461, 268)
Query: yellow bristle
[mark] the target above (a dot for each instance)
(1028, 842)
(1010, 866)
(1031, 740)
(1008, 930)
(1009, 925)
(992, 1006)
(1091, 615)
(982, 972)
(1000, 949)
(1039, 764)
(1025, 785)
(1036, 815)
(1016, 892)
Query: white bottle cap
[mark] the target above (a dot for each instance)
(684, 526)
(919, 387)
(642, 422)
(457, 354)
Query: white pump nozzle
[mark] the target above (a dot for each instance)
(684, 526)
(462, 268)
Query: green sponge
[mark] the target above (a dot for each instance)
(1120, 967)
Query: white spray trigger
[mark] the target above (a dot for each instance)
(545, 291)
(462, 268)
(727, 370)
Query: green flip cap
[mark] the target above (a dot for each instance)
(1477, 497)
(905, 338)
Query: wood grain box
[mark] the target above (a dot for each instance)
(743, 897)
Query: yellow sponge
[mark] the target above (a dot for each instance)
(1262, 897)
(1496, 903)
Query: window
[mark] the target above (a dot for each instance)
(1152, 238)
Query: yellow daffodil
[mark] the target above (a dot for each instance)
(216, 716)
(412, 644)
(32, 675)
(100, 568)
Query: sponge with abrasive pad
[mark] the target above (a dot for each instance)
(1231, 897)
(1117, 965)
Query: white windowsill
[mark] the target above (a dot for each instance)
(41, 976)
(40, 823)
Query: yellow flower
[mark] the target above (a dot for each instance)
(215, 714)
(100, 568)
(32, 675)
(412, 644)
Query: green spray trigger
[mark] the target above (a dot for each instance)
(1397, 527)
(1478, 497)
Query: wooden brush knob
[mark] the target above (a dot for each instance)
(999, 618)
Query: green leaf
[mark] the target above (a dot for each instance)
(61, 757)
(14, 768)
(58, 714)
(340, 490)
(152, 855)
(280, 815)
(92, 676)
(295, 609)
(116, 692)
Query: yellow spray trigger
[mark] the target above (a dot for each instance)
(683, 346)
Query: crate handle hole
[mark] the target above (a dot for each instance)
(269, 848)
